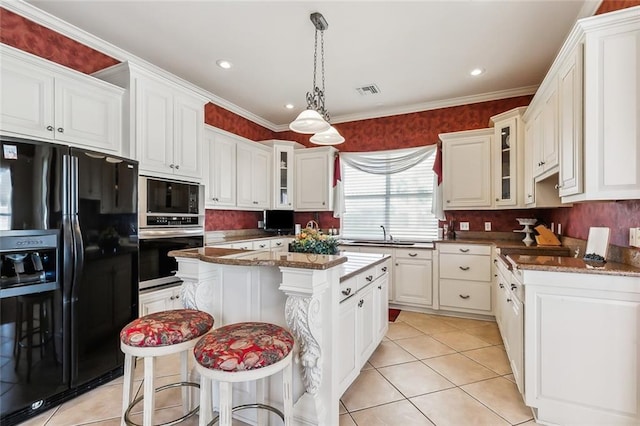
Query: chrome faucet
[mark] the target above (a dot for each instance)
(384, 233)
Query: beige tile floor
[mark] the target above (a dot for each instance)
(429, 370)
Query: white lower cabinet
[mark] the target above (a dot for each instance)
(465, 278)
(160, 300)
(412, 277)
(581, 345)
(364, 320)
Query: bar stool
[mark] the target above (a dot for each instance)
(243, 352)
(154, 335)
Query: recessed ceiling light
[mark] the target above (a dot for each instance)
(477, 71)
(223, 63)
(289, 106)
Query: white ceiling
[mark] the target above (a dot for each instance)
(419, 53)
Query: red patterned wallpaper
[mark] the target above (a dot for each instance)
(619, 216)
(226, 120)
(216, 220)
(501, 220)
(611, 5)
(26, 35)
(416, 129)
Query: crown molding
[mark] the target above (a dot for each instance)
(58, 25)
(427, 106)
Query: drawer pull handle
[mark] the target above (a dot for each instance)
(501, 285)
(513, 286)
(347, 291)
(464, 268)
(464, 297)
(369, 278)
(279, 243)
(360, 303)
(384, 269)
(380, 287)
(413, 254)
(508, 300)
(464, 250)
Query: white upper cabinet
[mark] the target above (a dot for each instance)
(43, 100)
(508, 153)
(253, 176)
(314, 179)
(166, 122)
(220, 168)
(570, 123)
(591, 102)
(283, 166)
(466, 163)
(612, 108)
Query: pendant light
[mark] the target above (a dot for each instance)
(315, 119)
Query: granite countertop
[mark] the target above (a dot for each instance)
(261, 258)
(513, 246)
(570, 264)
(418, 245)
(357, 262)
(241, 238)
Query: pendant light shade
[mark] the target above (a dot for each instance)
(309, 121)
(315, 119)
(328, 137)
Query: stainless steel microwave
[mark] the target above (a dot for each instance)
(170, 203)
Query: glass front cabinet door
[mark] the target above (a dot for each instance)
(283, 167)
(507, 153)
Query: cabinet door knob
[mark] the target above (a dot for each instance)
(323, 203)
(396, 263)
(60, 130)
(49, 128)
(171, 298)
(347, 291)
(529, 196)
(501, 285)
(464, 296)
(380, 287)
(542, 163)
(464, 250)
(177, 166)
(279, 243)
(448, 201)
(508, 300)
(384, 269)
(360, 303)
(171, 165)
(369, 278)
(464, 268)
(413, 254)
(513, 286)
(557, 186)
(497, 199)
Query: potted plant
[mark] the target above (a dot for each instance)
(313, 241)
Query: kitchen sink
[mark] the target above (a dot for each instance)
(386, 243)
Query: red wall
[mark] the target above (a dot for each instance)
(398, 131)
(26, 35)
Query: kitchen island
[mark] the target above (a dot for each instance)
(335, 306)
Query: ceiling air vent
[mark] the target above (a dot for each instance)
(370, 89)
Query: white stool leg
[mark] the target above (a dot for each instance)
(287, 396)
(205, 401)
(261, 385)
(127, 386)
(226, 393)
(184, 377)
(149, 392)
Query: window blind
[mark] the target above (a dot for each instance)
(401, 202)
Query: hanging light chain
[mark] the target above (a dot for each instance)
(315, 98)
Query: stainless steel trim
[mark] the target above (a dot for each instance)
(150, 233)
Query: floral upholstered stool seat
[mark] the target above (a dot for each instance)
(243, 352)
(154, 335)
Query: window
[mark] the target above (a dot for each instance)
(401, 202)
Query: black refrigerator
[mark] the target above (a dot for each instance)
(69, 272)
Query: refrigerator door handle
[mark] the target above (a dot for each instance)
(66, 184)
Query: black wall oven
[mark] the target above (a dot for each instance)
(156, 267)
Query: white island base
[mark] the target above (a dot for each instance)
(337, 323)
